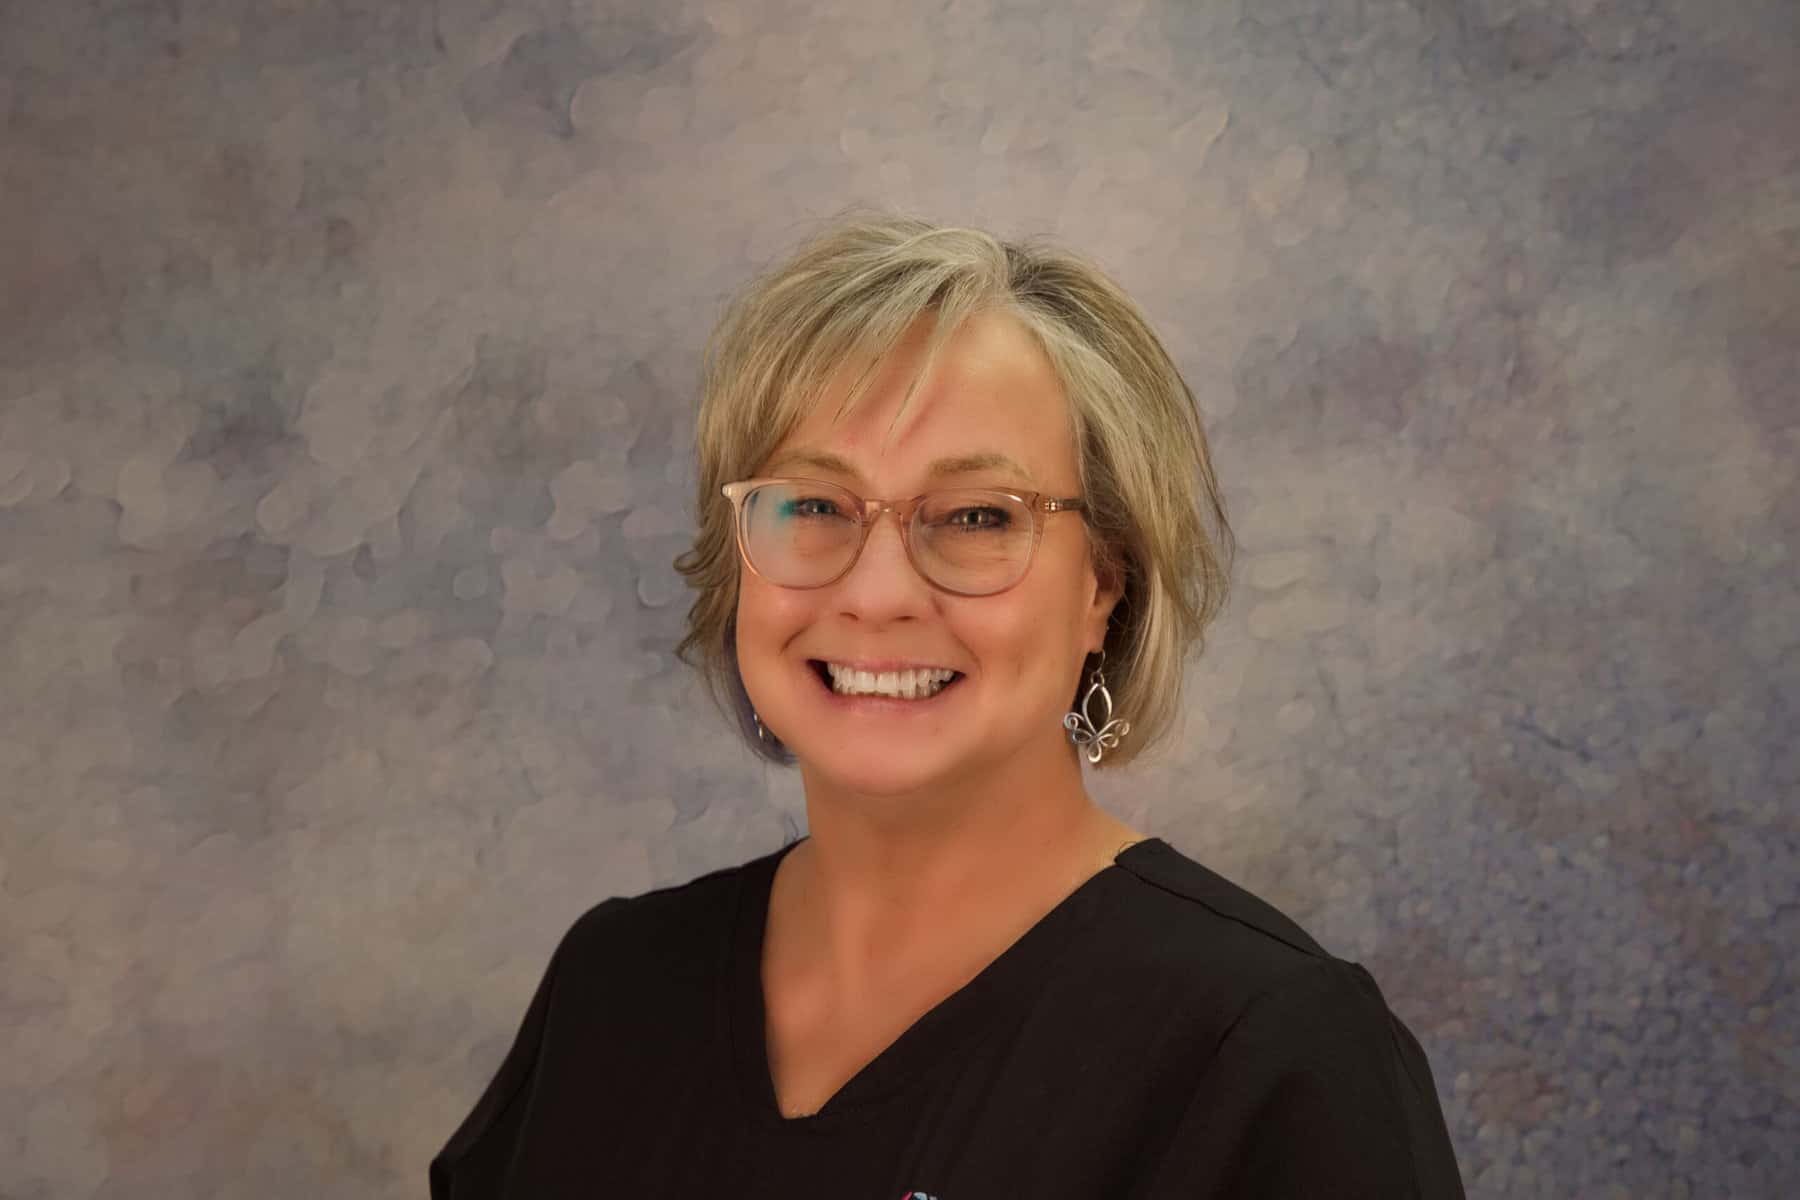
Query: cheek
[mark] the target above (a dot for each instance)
(1016, 642)
(767, 617)
(1032, 637)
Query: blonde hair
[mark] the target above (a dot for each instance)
(1154, 512)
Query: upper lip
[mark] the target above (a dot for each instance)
(876, 666)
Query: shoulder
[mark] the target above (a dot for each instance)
(1295, 1046)
(1243, 966)
(676, 915)
(669, 902)
(1184, 915)
(1205, 894)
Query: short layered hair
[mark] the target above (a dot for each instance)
(1154, 514)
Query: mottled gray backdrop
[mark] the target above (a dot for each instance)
(347, 367)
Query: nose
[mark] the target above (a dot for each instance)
(882, 584)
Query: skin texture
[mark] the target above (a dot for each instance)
(935, 838)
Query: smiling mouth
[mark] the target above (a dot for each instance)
(887, 685)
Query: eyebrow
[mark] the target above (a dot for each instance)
(960, 464)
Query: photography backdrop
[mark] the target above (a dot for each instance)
(348, 357)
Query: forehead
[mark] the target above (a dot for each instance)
(991, 406)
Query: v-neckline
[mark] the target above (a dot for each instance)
(924, 1043)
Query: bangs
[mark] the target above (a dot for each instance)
(841, 361)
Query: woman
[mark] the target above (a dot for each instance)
(967, 981)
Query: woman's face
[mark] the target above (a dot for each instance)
(991, 393)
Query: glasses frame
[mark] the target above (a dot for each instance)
(869, 511)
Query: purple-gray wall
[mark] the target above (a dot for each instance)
(347, 369)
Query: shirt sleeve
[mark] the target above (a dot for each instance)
(1317, 1089)
(472, 1165)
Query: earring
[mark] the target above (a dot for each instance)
(761, 733)
(1101, 736)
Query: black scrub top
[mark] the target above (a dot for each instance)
(1160, 1034)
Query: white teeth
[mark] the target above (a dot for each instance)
(900, 685)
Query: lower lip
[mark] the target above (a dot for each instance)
(882, 705)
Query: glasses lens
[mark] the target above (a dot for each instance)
(799, 534)
(974, 542)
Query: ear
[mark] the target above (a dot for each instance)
(1108, 586)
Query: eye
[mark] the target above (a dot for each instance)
(978, 518)
(810, 506)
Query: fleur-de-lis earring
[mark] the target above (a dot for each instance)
(1104, 735)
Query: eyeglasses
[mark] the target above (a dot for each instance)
(806, 533)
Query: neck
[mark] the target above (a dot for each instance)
(888, 885)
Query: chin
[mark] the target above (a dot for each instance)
(875, 770)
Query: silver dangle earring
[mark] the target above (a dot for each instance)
(1097, 737)
(761, 733)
